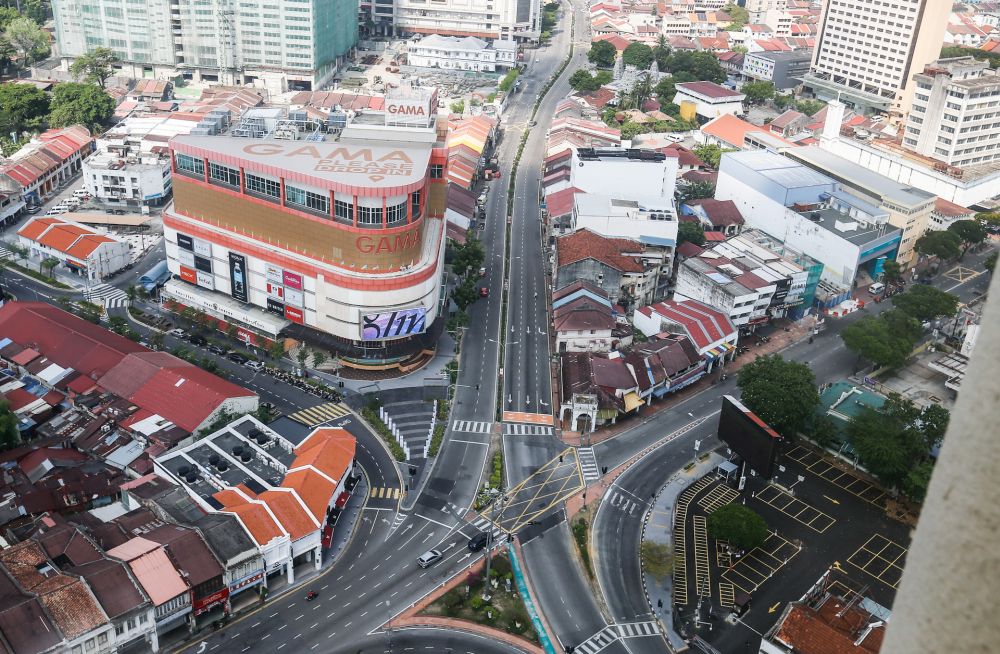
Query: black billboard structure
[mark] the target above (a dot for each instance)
(238, 276)
(749, 436)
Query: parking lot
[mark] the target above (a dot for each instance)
(821, 515)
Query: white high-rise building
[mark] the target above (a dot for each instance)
(867, 50)
(953, 116)
(485, 19)
(281, 43)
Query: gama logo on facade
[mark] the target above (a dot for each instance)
(340, 159)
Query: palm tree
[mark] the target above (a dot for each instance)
(132, 292)
(48, 263)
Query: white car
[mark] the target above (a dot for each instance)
(81, 193)
(254, 365)
(179, 333)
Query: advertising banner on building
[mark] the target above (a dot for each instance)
(275, 307)
(204, 248)
(186, 258)
(291, 280)
(203, 264)
(293, 297)
(185, 242)
(276, 291)
(273, 273)
(293, 314)
(393, 324)
(206, 280)
(189, 275)
(238, 276)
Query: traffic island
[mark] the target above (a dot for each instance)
(504, 610)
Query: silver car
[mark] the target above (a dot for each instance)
(429, 558)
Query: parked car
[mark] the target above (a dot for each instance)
(429, 558)
(179, 333)
(236, 357)
(214, 348)
(482, 272)
(81, 193)
(199, 340)
(73, 203)
(483, 291)
(255, 365)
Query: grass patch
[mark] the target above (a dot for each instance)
(436, 439)
(483, 498)
(370, 414)
(581, 529)
(504, 611)
(34, 274)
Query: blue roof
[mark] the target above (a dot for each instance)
(656, 240)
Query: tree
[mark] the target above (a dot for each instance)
(36, 10)
(602, 54)
(917, 480)
(639, 55)
(925, 302)
(507, 83)
(10, 436)
(48, 263)
(696, 191)
(118, 325)
(691, 231)
(20, 252)
(688, 66)
(657, 559)
(319, 358)
(582, 81)
(739, 526)
(738, 15)
(892, 272)
(710, 153)
(276, 349)
(934, 420)
(944, 245)
(24, 106)
(156, 340)
(661, 52)
(969, 232)
(131, 292)
(458, 107)
(782, 393)
(885, 446)
(302, 355)
(822, 430)
(466, 293)
(809, 107)
(95, 66)
(990, 262)
(74, 103)
(468, 257)
(665, 90)
(28, 39)
(758, 92)
(886, 340)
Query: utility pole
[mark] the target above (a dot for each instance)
(498, 500)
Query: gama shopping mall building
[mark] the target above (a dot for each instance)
(338, 243)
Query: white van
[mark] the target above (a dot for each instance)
(674, 138)
(876, 288)
(72, 203)
(81, 193)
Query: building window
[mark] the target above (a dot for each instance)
(190, 164)
(415, 204)
(307, 199)
(263, 186)
(369, 215)
(343, 211)
(395, 214)
(437, 171)
(224, 174)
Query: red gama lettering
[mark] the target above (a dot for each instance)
(372, 245)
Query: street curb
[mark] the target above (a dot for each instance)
(70, 289)
(531, 593)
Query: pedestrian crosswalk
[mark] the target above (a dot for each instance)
(588, 465)
(472, 426)
(517, 429)
(614, 632)
(317, 415)
(107, 295)
(387, 493)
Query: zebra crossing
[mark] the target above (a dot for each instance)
(588, 465)
(472, 426)
(386, 493)
(517, 429)
(321, 413)
(107, 295)
(615, 632)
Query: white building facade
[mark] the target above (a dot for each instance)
(496, 19)
(462, 53)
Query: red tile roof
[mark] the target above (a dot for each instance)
(708, 89)
(729, 128)
(65, 236)
(292, 514)
(560, 203)
(950, 209)
(613, 252)
(833, 629)
(703, 324)
(185, 394)
(721, 213)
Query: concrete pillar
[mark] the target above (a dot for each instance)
(154, 640)
(948, 605)
(317, 557)
(290, 572)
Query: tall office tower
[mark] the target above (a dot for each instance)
(486, 19)
(953, 117)
(283, 43)
(868, 50)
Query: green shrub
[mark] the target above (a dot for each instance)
(580, 528)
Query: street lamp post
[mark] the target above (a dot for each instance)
(498, 501)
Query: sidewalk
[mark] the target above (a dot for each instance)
(780, 339)
(658, 527)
